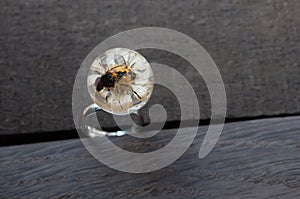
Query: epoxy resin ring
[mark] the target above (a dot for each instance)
(120, 81)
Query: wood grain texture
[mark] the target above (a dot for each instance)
(255, 45)
(258, 158)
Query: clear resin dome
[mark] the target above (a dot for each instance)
(120, 81)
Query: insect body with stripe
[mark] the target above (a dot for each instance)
(119, 74)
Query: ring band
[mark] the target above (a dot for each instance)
(91, 131)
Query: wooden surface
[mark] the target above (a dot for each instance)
(253, 159)
(255, 45)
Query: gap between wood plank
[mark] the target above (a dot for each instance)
(36, 137)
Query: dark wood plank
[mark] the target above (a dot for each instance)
(254, 43)
(258, 158)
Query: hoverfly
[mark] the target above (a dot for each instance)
(121, 74)
(114, 75)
